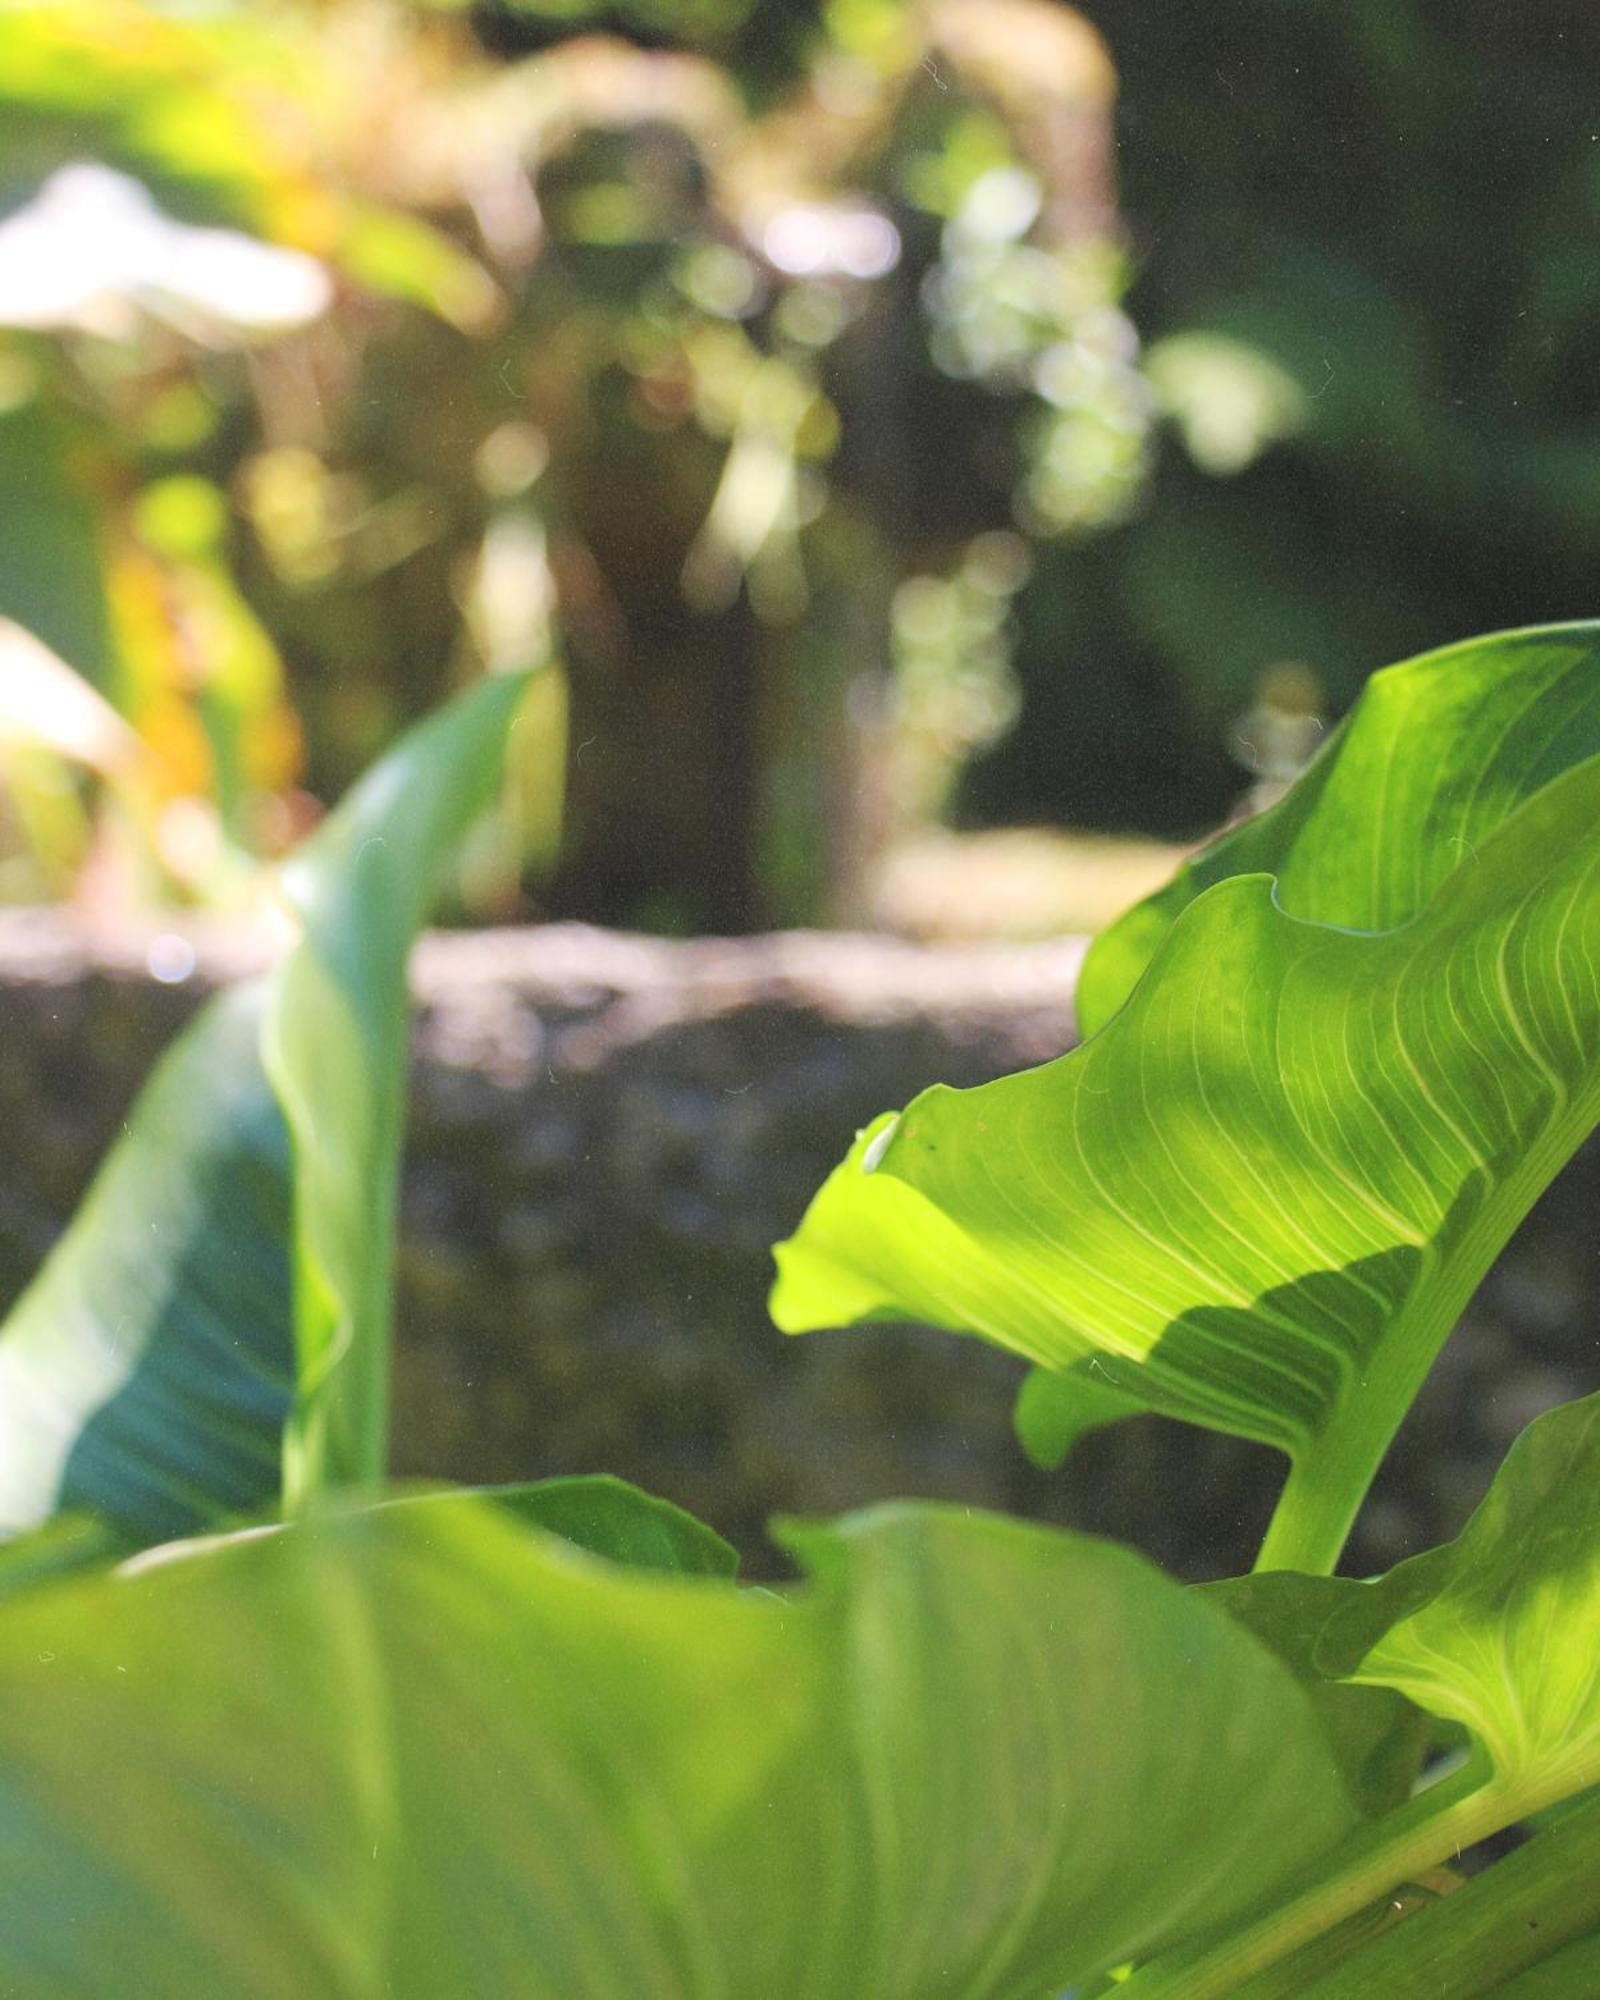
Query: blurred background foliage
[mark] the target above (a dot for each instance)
(892, 416)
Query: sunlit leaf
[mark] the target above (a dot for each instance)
(423, 1751)
(1495, 1634)
(1378, 1735)
(1260, 1196)
(1435, 755)
(336, 1043)
(1497, 1630)
(147, 1373)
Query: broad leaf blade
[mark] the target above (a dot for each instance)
(1056, 1410)
(1496, 1634)
(146, 1373)
(1435, 755)
(1499, 1630)
(70, 1542)
(1259, 1198)
(1495, 1631)
(421, 1751)
(335, 1044)
(1570, 1974)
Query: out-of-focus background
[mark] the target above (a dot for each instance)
(951, 454)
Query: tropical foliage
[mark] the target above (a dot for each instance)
(540, 1739)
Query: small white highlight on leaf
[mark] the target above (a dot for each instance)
(873, 1156)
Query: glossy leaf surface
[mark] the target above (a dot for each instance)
(1436, 753)
(423, 1751)
(1495, 1632)
(1500, 1629)
(1259, 1197)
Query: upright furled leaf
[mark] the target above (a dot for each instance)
(335, 1044)
(147, 1373)
(1259, 1197)
(421, 1750)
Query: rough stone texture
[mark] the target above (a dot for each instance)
(607, 1134)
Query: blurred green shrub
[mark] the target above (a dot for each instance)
(704, 347)
(1362, 243)
(683, 363)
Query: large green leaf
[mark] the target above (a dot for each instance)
(1259, 1197)
(148, 1372)
(1500, 1629)
(1379, 1736)
(1497, 1632)
(422, 1751)
(1435, 755)
(335, 1043)
(1571, 1974)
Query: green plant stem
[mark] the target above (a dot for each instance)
(1433, 1829)
(343, 1445)
(338, 1433)
(1513, 1916)
(1329, 1479)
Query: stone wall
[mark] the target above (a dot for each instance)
(608, 1133)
